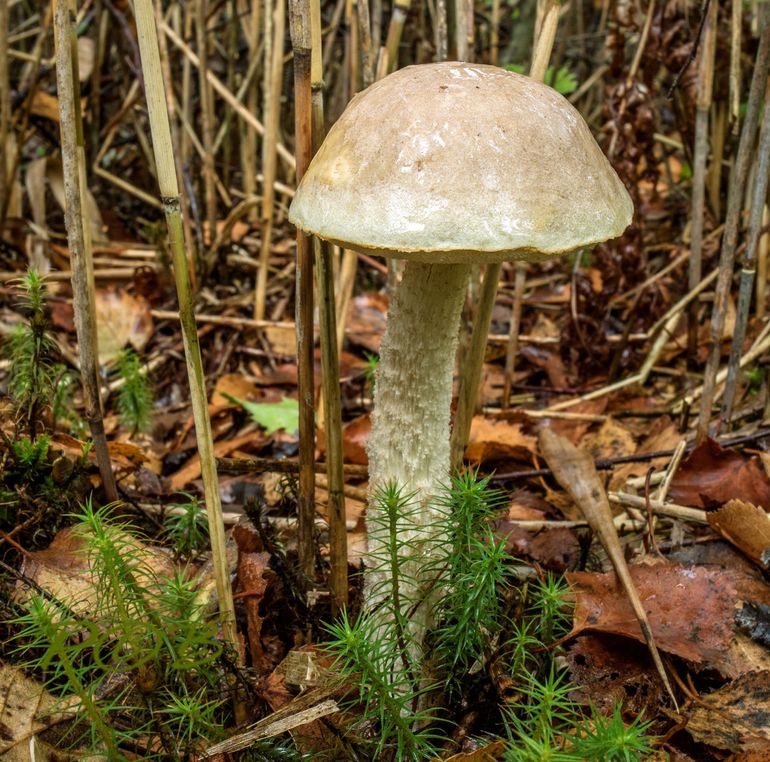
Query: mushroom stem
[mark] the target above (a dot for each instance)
(409, 444)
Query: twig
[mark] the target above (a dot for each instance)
(734, 202)
(748, 270)
(169, 191)
(79, 234)
(226, 95)
(301, 42)
(574, 470)
(703, 105)
(207, 116)
(273, 75)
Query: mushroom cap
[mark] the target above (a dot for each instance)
(456, 162)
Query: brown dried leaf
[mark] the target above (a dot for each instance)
(609, 669)
(366, 320)
(254, 577)
(491, 440)
(690, 609)
(282, 339)
(86, 57)
(735, 716)
(355, 435)
(63, 569)
(610, 441)
(712, 475)
(121, 319)
(26, 708)
(235, 385)
(662, 435)
(747, 527)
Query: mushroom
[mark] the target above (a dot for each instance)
(448, 165)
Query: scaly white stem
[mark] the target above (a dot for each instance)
(409, 444)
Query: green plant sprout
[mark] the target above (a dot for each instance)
(187, 528)
(33, 373)
(135, 398)
(395, 682)
(145, 627)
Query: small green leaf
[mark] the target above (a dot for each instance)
(271, 415)
(563, 81)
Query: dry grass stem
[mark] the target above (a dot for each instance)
(169, 192)
(79, 233)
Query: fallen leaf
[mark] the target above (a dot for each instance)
(86, 57)
(254, 576)
(734, 717)
(610, 441)
(690, 609)
(63, 568)
(355, 435)
(26, 708)
(746, 526)
(663, 435)
(711, 475)
(45, 105)
(607, 670)
(282, 339)
(191, 470)
(231, 385)
(121, 319)
(55, 175)
(366, 320)
(271, 416)
(498, 440)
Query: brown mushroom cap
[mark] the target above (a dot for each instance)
(455, 162)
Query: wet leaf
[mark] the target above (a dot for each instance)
(609, 669)
(690, 609)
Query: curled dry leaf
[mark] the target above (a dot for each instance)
(747, 527)
(254, 576)
(711, 475)
(121, 319)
